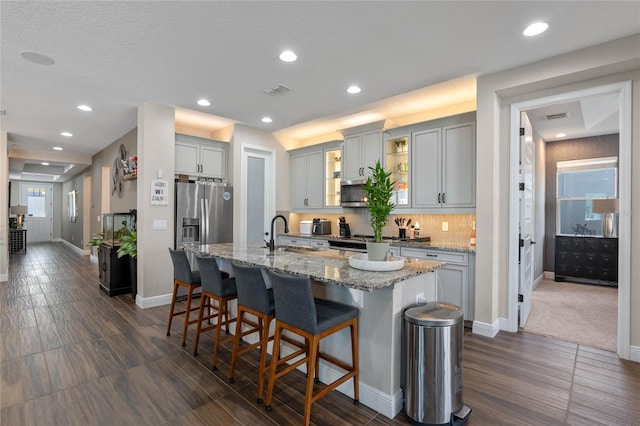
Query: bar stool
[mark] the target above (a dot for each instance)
(298, 312)
(214, 287)
(183, 276)
(253, 298)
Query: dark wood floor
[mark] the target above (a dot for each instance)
(71, 355)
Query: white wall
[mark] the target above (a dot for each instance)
(538, 202)
(607, 63)
(4, 210)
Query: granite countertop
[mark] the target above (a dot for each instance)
(459, 246)
(330, 266)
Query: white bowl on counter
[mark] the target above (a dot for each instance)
(361, 261)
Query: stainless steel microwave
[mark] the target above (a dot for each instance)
(352, 194)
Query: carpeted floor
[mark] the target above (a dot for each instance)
(578, 313)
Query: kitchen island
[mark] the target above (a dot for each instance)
(381, 297)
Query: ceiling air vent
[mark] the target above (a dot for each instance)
(278, 89)
(556, 116)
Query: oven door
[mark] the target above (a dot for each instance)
(348, 245)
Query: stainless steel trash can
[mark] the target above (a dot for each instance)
(433, 365)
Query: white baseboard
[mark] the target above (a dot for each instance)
(537, 281)
(4, 278)
(548, 275)
(634, 353)
(75, 248)
(152, 302)
(486, 330)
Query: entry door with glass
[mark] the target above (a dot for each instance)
(37, 197)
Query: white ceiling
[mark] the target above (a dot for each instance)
(407, 57)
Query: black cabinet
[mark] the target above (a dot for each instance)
(114, 271)
(587, 259)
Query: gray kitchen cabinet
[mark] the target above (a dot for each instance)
(443, 163)
(198, 157)
(307, 179)
(455, 281)
(361, 151)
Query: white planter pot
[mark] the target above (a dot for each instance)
(377, 251)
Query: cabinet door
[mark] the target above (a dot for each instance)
(459, 166)
(351, 157)
(213, 161)
(371, 150)
(187, 158)
(315, 179)
(299, 181)
(452, 287)
(425, 175)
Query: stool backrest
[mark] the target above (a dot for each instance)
(294, 301)
(210, 275)
(252, 291)
(181, 267)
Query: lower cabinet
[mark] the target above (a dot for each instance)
(114, 273)
(589, 259)
(455, 281)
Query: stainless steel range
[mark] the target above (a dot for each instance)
(358, 243)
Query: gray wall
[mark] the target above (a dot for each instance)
(72, 231)
(573, 149)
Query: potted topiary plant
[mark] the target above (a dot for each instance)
(379, 189)
(129, 246)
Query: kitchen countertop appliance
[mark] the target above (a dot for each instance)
(321, 226)
(344, 227)
(306, 227)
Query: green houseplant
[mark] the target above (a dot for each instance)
(96, 240)
(379, 188)
(129, 246)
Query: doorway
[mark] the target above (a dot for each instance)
(38, 199)
(623, 92)
(257, 204)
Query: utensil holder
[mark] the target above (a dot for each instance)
(402, 233)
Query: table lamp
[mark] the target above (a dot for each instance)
(20, 212)
(607, 207)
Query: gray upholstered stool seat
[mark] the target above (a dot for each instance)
(183, 276)
(313, 319)
(221, 290)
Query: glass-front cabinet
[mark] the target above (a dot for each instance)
(333, 175)
(397, 162)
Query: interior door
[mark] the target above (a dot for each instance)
(527, 159)
(256, 215)
(37, 197)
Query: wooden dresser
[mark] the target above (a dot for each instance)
(592, 260)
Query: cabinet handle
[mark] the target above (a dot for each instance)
(438, 198)
(431, 255)
(443, 202)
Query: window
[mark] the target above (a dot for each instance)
(579, 182)
(36, 198)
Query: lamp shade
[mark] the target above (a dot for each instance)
(606, 205)
(23, 210)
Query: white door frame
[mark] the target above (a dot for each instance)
(269, 156)
(623, 90)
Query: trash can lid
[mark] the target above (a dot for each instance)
(434, 314)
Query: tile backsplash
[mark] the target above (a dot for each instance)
(459, 225)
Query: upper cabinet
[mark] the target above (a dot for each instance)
(438, 171)
(198, 157)
(306, 179)
(362, 149)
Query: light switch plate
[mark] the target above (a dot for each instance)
(159, 224)
(445, 226)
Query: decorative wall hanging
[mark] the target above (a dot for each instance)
(117, 171)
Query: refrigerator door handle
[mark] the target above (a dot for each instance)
(206, 211)
(203, 223)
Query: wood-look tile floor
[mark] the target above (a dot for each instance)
(71, 355)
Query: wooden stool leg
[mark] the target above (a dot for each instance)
(274, 363)
(354, 355)
(173, 306)
(236, 344)
(264, 323)
(186, 316)
(222, 308)
(203, 299)
(312, 362)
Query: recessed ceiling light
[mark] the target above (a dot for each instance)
(44, 163)
(266, 119)
(561, 135)
(67, 134)
(204, 103)
(535, 29)
(57, 148)
(354, 89)
(86, 108)
(37, 58)
(288, 56)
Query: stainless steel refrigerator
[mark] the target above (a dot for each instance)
(204, 214)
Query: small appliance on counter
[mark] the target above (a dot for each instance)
(321, 226)
(306, 227)
(344, 227)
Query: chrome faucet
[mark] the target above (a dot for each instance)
(272, 243)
